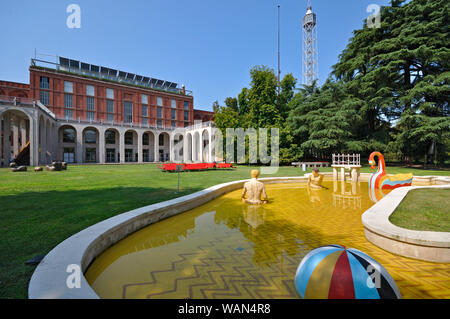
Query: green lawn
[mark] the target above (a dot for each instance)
(424, 209)
(39, 210)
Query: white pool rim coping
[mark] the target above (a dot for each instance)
(49, 280)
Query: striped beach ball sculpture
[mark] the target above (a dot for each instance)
(336, 272)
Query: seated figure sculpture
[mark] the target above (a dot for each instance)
(315, 179)
(254, 189)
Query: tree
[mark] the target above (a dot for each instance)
(400, 67)
(323, 120)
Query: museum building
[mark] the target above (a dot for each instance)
(83, 113)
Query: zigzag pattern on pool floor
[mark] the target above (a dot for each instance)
(217, 270)
(230, 275)
(233, 274)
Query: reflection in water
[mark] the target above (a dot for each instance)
(229, 249)
(376, 194)
(347, 194)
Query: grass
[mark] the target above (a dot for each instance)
(424, 209)
(39, 210)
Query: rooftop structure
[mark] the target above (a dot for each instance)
(109, 74)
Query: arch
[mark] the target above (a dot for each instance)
(131, 146)
(48, 143)
(205, 146)
(54, 141)
(90, 142)
(42, 139)
(148, 150)
(164, 147)
(189, 147)
(112, 145)
(196, 147)
(178, 145)
(67, 137)
(6, 148)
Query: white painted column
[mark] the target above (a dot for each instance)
(335, 173)
(44, 144)
(16, 136)
(101, 147)
(79, 146)
(122, 146)
(34, 155)
(6, 141)
(156, 147)
(194, 149)
(140, 156)
(200, 149)
(185, 149)
(210, 160)
(23, 133)
(1, 141)
(343, 174)
(171, 147)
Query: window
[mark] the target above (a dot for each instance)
(186, 115)
(173, 103)
(110, 106)
(145, 156)
(90, 137)
(161, 140)
(145, 139)
(144, 110)
(44, 83)
(159, 113)
(68, 114)
(174, 124)
(90, 90)
(110, 155)
(145, 120)
(128, 155)
(68, 135)
(159, 101)
(69, 155)
(110, 137)
(68, 101)
(173, 114)
(159, 123)
(91, 154)
(186, 105)
(144, 99)
(110, 117)
(128, 112)
(68, 87)
(186, 124)
(90, 103)
(110, 94)
(44, 97)
(110, 110)
(90, 115)
(129, 138)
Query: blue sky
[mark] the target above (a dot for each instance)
(208, 45)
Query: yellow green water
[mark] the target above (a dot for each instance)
(228, 249)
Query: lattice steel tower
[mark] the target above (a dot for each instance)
(310, 52)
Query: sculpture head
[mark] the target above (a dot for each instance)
(315, 172)
(372, 159)
(254, 173)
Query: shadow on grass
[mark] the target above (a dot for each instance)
(33, 223)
